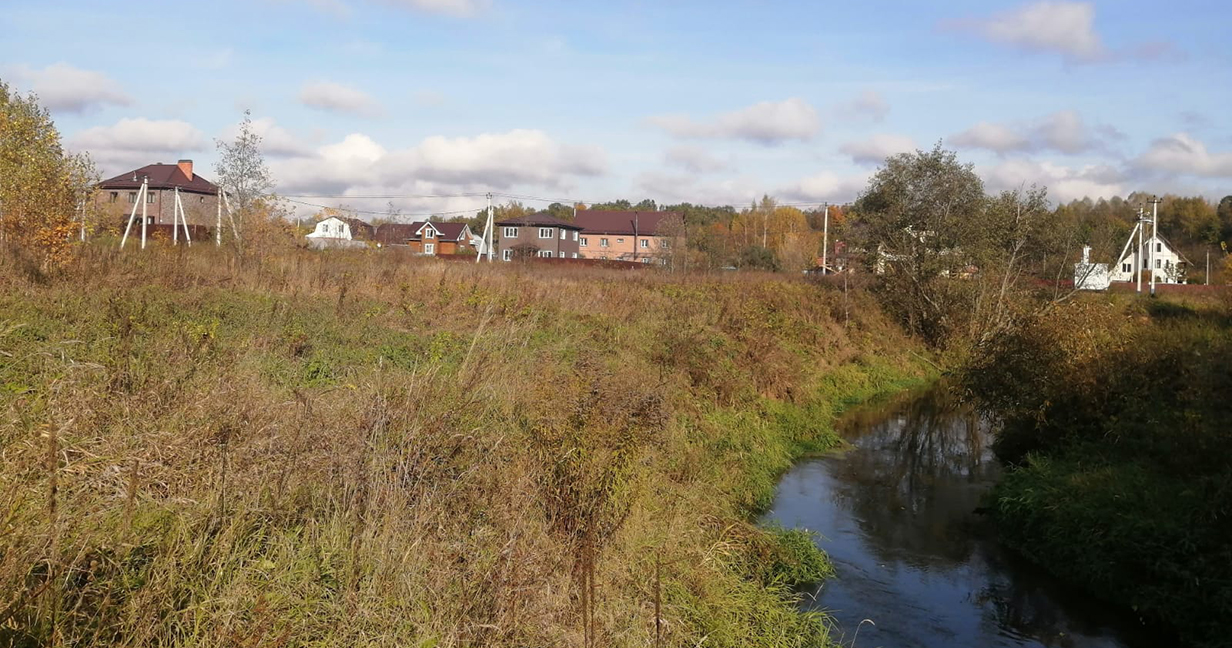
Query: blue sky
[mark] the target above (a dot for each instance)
(711, 102)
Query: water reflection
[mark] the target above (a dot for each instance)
(898, 516)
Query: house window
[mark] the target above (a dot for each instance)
(506, 255)
(645, 243)
(547, 254)
(545, 232)
(132, 197)
(602, 242)
(563, 233)
(428, 233)
(575, 235)
(1159, 247)
(645, 259)
(582, 241)
(201, 200)
(574, 255)
(620, 240)
(115, 195)
(665, 244)
(429, 248)
(1159, 263)
(1125, 267)
(509, 232)
(149, 197)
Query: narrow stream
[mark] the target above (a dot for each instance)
(897, 515)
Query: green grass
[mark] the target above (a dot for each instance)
(197, 451)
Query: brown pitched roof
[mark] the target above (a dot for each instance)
(542, 219)
(162, 176)
(450, 231)
(645, 223)
(359, 229)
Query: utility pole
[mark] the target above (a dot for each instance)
(144, 199)
(1208, 266)
(1138, 261)
(825, 241)
(486, 245)
(1154, 233)
(218, 222)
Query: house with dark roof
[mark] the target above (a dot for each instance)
(538, 235)
(117, 196)
(642, 236)
(428, 237)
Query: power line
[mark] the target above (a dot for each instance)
(385, 213)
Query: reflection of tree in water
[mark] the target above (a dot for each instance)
(915, 477)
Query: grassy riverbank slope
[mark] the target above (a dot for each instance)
(1118, 412)
(356, 449)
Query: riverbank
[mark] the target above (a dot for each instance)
(1116, 415)
(350, 449)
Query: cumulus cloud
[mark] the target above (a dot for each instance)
(768, 122)
(1064, 183)
(1182, 154)
(62, 87)
(825, 186)
(488, 161)
(694, 159)
(276, 141)
(131, 143)
(868, 105)
(455, 8)
(338, 98)
(877, 148)
(1065, 132)
(1066, 28)
(670, 188)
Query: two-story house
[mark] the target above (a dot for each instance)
(118, 195)
(1169, 264)
(537, 235)
(340, 232)
(626, 235)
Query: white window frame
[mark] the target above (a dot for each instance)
(574, 255)
(620, 240)
(603, 242)
(546, 232)
(575, 235)
(149, 197)
(506, 255)
(645, 243)
(546, 254)
(582, 242)
(429, 233)
(132, 197)
(509, 232)
(563, 233)
(429, 248)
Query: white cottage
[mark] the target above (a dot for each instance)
(1090, 276)
(1169, 264)
(339, 232)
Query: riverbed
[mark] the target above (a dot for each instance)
(917, 563)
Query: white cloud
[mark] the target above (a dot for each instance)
(672, 188)
(1182, 154)
(877, 148)
(994, 137)
(1066, 28)
(825, 186)
(276, 141)
(488, 161)
(1064, 132)
(694, 159)
(455, 8)
(62, 87)
(868, 105)
(1064, 183)
(768, 122)
(136, 142)
(338, 98)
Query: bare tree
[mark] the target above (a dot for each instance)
(241, 170)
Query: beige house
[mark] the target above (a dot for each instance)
(625, 235)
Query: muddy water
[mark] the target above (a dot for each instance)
(897, 513)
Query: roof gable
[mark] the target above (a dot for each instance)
(161, 176)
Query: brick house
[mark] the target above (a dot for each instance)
(537, 235)
(428, 238)
(118, 195)
(626, 235)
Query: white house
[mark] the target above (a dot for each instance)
(1090, 276)
(339, 232)
(1169, 265)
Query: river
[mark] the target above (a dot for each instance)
(897, 514)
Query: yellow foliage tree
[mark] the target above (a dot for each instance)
(42, 188)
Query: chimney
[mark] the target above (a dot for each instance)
(1086, 254)
(186, 168)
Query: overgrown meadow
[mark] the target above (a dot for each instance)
(203, 449)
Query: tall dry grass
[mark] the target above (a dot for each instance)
(199, 449)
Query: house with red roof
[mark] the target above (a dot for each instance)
(199, 196)
(537, 235)
(642, 236)
(428, 237)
